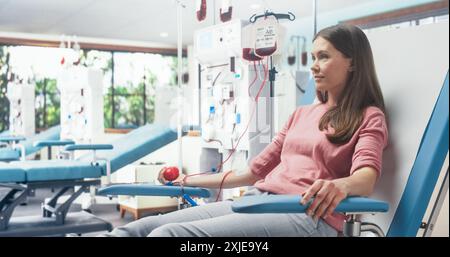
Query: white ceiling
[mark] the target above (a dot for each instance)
(137, 20)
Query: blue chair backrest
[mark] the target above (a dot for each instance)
(135, 145)
(49, 134)
(425, 171)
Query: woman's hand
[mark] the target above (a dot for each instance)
(328, 194)
(178, 181)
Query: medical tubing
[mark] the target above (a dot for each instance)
(219, 167)
(183, 182)
(221, 184)
(254, 80)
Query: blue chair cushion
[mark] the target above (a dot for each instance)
(58, 170)
(10, 174)
(49, 134)
(8, 154)
(153, 190)
(291, 204)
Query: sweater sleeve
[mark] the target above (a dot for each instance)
(269, 158)
(372, 139)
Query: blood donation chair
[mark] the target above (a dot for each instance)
(18, 148)
(20, 177)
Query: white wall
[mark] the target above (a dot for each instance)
(411, 64)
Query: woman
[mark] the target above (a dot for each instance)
(328, 151)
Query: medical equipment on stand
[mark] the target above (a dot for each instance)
(235, 127)
(81, 121)
(21, 118)
(266, 36)
(81, 99)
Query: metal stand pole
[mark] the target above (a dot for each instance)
(180, 62)
(314, 17)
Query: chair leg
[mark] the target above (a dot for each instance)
(353, 227)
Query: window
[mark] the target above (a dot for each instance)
(129, 84)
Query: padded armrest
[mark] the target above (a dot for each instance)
(291, 204)
(44, 143)
(152, 190)
(9, 139)
(88, 147)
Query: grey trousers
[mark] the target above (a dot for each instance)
(218, 220)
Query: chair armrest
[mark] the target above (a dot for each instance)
(152, 190)
(45, 143)
(291, 204)
(88, 147)
(9, 139)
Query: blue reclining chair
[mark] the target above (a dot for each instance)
(422, 180)
(430, 152)
(407, 220)
(21, 177)
(22, 147)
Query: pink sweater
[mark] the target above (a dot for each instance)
(300, 154)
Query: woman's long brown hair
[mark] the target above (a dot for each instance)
(362, 88)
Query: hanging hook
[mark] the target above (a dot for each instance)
(279, 16)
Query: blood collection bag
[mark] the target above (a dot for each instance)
(201, 9)
(304, 58)
(249, 54)
(226, 10)
(291, 54)
(266, 36)
(304, 54)
(248, 44)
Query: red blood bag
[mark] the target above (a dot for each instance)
(201, 9)
(304, 53)
(248, 44)
(291, 54)
(227, 11)
(304, 58)
(266, 36)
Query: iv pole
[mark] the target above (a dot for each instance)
(314, 17)
(179, 91)
(272, 71)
